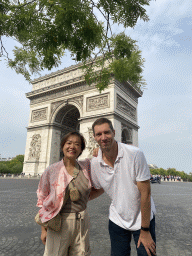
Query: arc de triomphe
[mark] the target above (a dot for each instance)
(62, 101)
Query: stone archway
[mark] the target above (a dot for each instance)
(126, 136)
(65, 120)
(68, 117)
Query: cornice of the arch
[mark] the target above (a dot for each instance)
(58, 93)
(57, 86)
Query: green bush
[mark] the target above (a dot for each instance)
(15, 166)
(17, 169)
(4, 168)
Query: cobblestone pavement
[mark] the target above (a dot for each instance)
(20, 235)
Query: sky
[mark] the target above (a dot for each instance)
(164, 110)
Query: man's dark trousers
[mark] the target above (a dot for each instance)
(121, 239)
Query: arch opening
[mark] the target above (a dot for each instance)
(68, 120)
(125, 137)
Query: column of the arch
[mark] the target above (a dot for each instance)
(135, 137)
(53, 147)
(117, 127)
(34, 165)
(37, 140)
(85, 128)
(30, 166)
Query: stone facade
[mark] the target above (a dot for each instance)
(62, 102)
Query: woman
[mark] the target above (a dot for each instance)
(54, 188)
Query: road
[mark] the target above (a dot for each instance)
(20, 235)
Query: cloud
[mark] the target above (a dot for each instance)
(168, 9)
(166, 27)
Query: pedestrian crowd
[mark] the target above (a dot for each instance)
(156, 177)
(171, 178)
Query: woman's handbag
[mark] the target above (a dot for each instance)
(54, 223)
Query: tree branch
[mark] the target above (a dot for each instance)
(3, 49)
(22, 5)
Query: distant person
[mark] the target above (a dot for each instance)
(122, 171)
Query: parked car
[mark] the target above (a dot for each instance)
(8, 175)
(1, 175)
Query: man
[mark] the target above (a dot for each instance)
(122, 172)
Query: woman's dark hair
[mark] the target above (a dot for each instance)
(65, 138)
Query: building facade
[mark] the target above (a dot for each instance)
(62, 102)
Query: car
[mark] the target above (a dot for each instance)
(155, 179)
(1, 175)
(8, 175)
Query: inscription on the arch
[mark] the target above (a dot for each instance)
(98, 102)
(39, 115)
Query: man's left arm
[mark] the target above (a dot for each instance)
(145, 236)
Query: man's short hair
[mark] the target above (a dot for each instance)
(100, 121)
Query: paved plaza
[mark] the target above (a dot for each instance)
(20, 235)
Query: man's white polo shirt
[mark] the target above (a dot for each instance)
(120, 183)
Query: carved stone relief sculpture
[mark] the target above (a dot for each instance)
(78, 100)
(98, 102)
(126, 108)
(55, 105)
(39, 115)
(35, 147)
(92, 143)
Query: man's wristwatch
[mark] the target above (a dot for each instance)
(144, 229)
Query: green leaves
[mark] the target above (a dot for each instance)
(125, 12)
(124, 62)
(100, 78)
(46, 28)
(24, 59)
(122, 46)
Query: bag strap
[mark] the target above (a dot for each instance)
(76, 171)
(75, 174)
(71, 184)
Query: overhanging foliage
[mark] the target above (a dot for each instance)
(47, 28)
